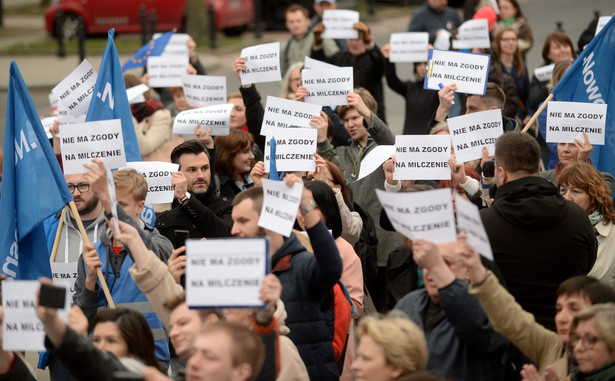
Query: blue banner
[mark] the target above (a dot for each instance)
(590, 79)
(110, 100)
(33, 186)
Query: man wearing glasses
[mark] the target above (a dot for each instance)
(91, 213)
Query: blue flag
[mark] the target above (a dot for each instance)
(590, 79)
(152, 48)
(273, 168)
(110, 100)
(33, 187)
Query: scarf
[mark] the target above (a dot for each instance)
(144, 109)
(595, 217)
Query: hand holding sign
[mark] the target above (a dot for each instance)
(585, 147)
(258, 172)
(471, 259)
(355, 101)
(96, 176)
(92, 262)
(426, 254)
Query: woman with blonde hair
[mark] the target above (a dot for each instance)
(389, 348)
(592, 336)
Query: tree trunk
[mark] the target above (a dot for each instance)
(197, 19)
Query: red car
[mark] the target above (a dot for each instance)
(232, 16)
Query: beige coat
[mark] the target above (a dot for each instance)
(155, 136)
(508, 318)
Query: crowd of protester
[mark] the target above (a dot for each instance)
(348, 297)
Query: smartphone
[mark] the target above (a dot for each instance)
(180, 239)
(52, 296)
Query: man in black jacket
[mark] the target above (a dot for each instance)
(196, 207)
(538, 238)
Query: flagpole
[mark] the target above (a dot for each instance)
(535, 116)
(56, 242)
(101, 278)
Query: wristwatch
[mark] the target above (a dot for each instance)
(311, 206)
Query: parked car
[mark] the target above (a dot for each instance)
(97, 16)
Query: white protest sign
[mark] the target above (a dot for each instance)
(66, 272)
(215, 117)
(409, 47)
(468, 70)
(177, 45)
(602, 21)
(471, 132)
(473, 34)
(280, 205)
(422, 157)
(544, 73)
(339, 24)
(374, 159)
(469, 222)
(494, 5)
(568, 120)
(166, 71)
(311, 63)
(328, 87)
(65, 116)
(82, 142)
(294, 151)
(47, 123)
(262, 62)
(21, 328)
(53, 100)
(225, 273)
(75, 91)
(443, 40)
(135, 93)
(158, 175)
(421, 215)
(284, 113)
(204, 90)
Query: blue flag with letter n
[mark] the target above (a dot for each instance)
(590, 79)
(110, 100)
(154, 47)
(33, 187)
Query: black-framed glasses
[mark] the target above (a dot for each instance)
(587, 341)
(81, 187)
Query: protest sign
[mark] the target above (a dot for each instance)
(422, 157)
(295, 149)
(262, 62)
(311, 63)
(544, 73)
(217, 118)
(135, 93)
(409, 47)
(280, 205)
(443, 40)
(328, 87)
(421, 215)
(158, 175)
(602, 21)
(82, 142)
(65, 116)
(374, 159)
(53, 100)
(177, 45)
(204, 90)
(113, 200)
(75, 91)
(468, 71)
(226, 273)
(166, 71)
(469, 222)
(47, 123)
(66, 272)
(472, 34)
(284, 113)
(471, 132)
(339, 24)
(21, 328)
(568, 120)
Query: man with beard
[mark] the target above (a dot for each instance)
(91, 213)
(196, 207)
(307, 279)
